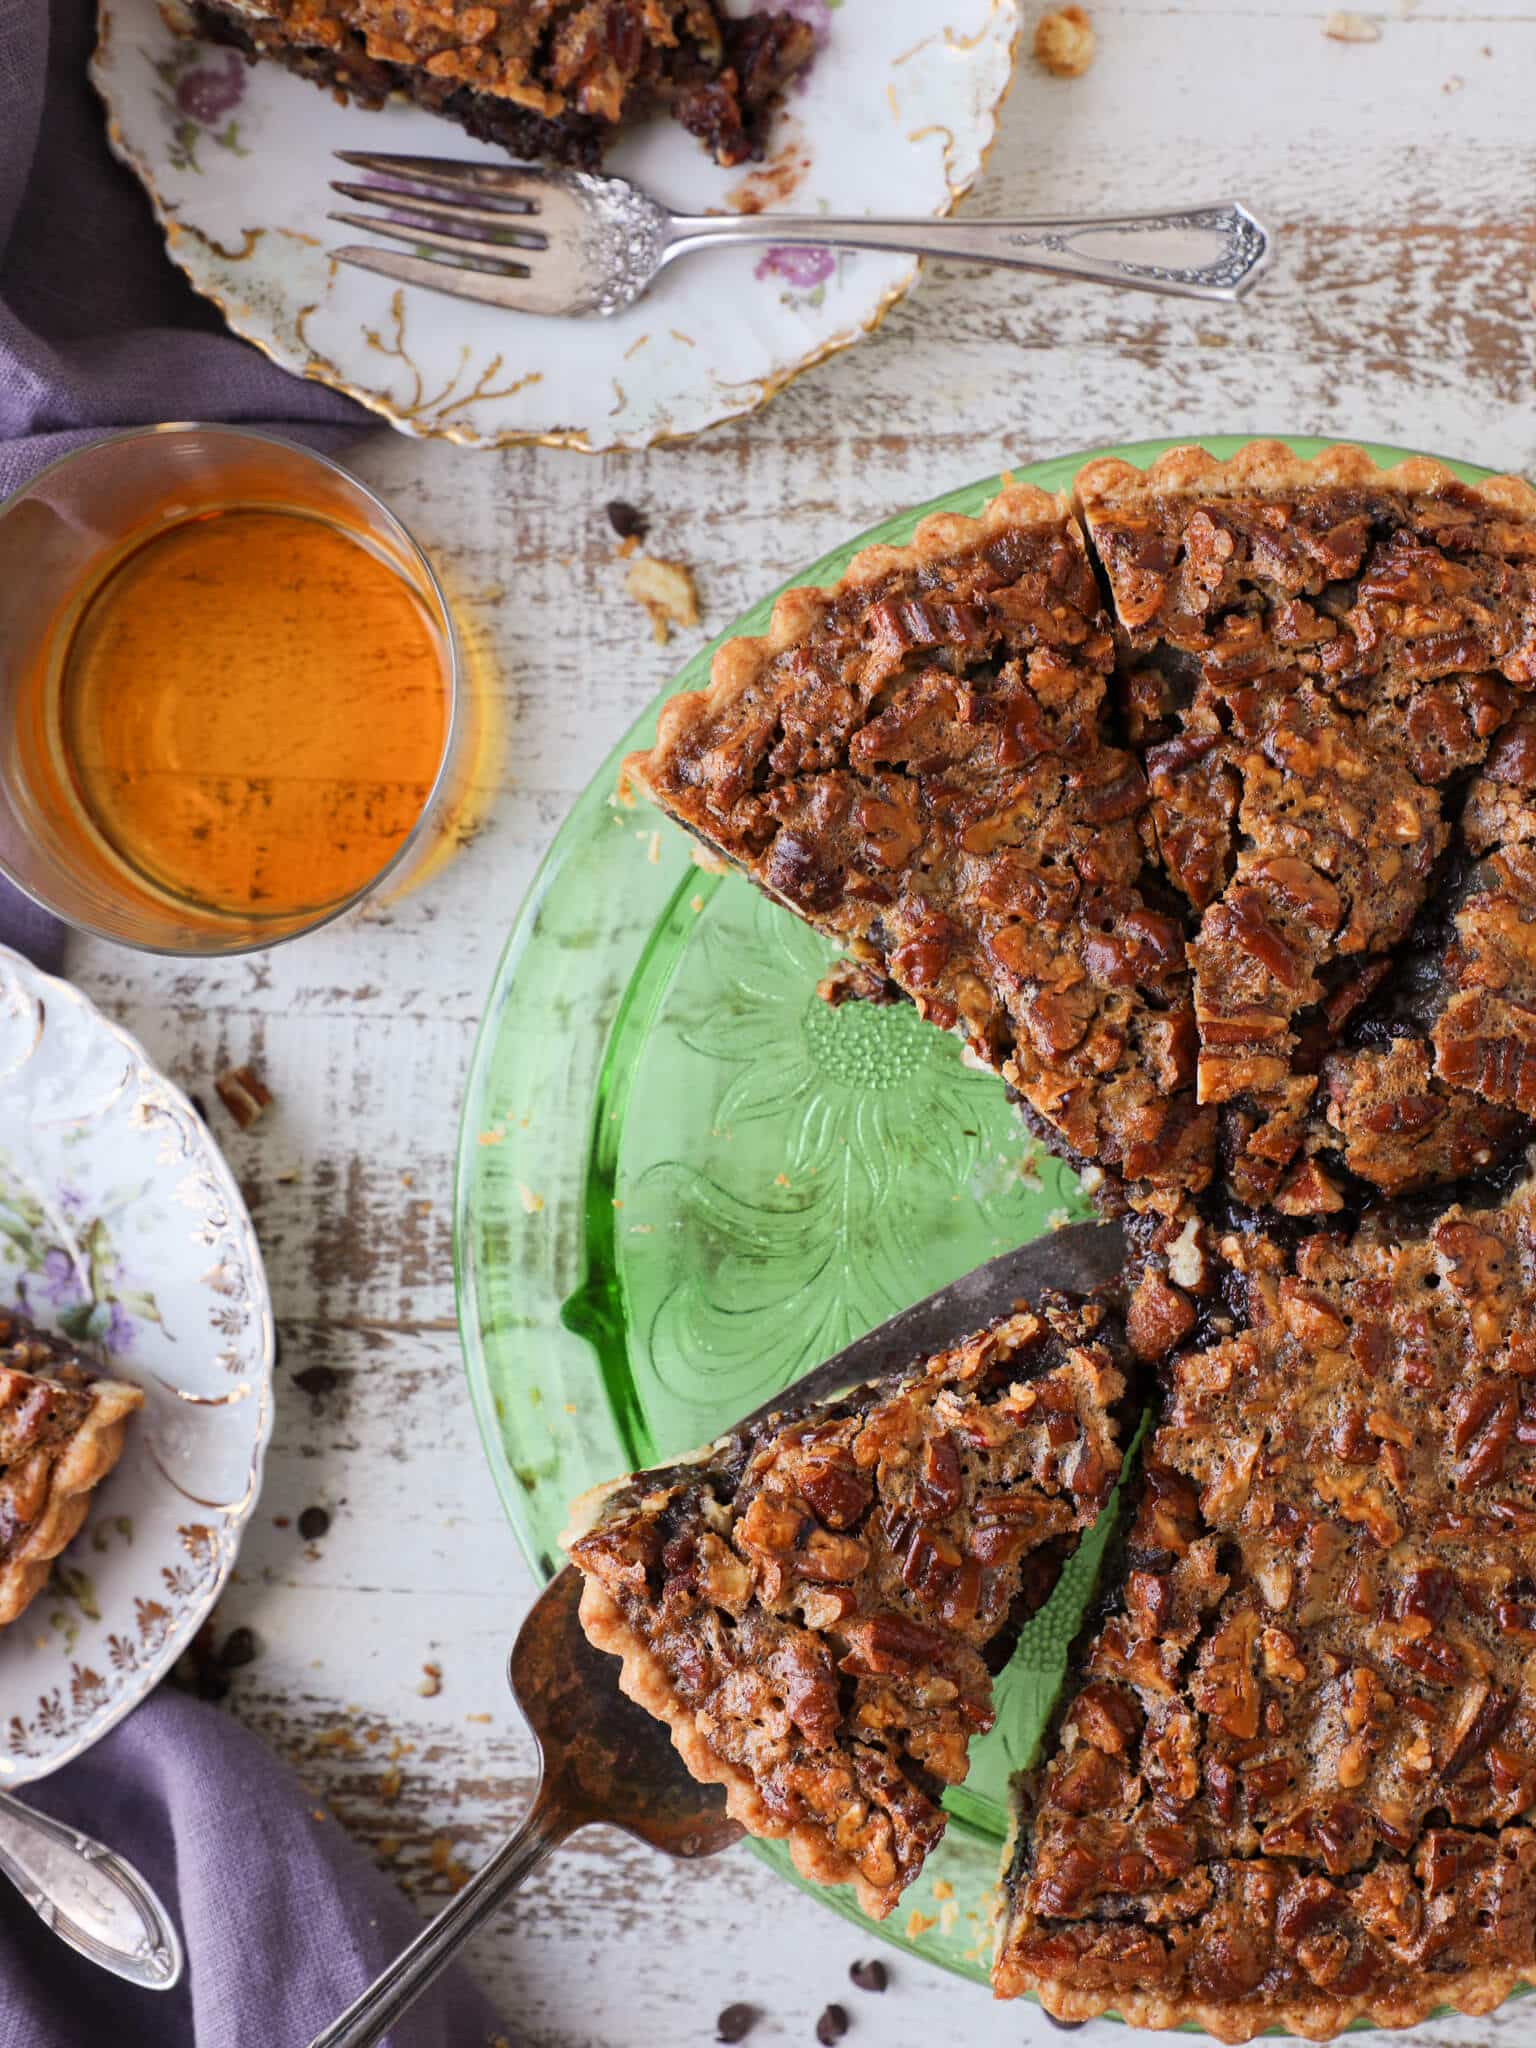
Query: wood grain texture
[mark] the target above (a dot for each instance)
(1401, 176)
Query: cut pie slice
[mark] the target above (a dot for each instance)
(1313, 655)
(916, 763)
(542, 78)
(815, 1605)
(1293, 1782)
(61, 1431)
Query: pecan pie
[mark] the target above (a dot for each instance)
(816, 1604)
(543, 78)
(61, 1432)
(1293, 1782)
(1228, 883)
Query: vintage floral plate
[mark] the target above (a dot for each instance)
(683, 1180)
(895, 116)
(121, 1225)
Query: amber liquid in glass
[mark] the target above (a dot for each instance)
(252, 710)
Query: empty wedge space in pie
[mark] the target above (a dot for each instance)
(1202, 805)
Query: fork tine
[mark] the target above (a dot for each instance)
(509, 181)
(491, 287)
(435, 238)
(458, 210)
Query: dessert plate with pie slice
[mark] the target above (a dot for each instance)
(894, 114)
(710, 1178)
(123, 1236)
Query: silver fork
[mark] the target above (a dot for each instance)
(541, 241)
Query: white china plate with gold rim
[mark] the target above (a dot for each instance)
(894, 117)
(121, 1225)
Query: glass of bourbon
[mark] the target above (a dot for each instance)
(232, 689)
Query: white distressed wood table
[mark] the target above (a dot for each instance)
(1400, 176)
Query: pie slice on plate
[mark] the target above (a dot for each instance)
(1293, 1778)
(816, 1605)
(62, 1427)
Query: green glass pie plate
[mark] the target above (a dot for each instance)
(683, 1179)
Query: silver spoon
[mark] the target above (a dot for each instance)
(91, 1897)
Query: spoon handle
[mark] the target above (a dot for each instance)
(396, 1989)
(91, 1897)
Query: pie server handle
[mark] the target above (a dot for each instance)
(90, 1896)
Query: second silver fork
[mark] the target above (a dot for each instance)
(570, 242)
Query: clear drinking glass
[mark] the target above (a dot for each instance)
(61, 538)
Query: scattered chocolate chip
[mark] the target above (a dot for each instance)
(313, 1524)
(243, 1093)
(832, 2025)
(737, 2021)
(870, 1976)
(240, 1647)
(629, 524)
(199, 1105)
(317, 1379)
(1066, 2026)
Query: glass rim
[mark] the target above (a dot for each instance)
(454, 673)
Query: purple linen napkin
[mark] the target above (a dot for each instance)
(284, 1920)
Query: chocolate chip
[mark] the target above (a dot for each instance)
(313, 1524)
(629, 524)
(239, 1648)
(832, 2026)
(199, 1105)
(737, 2021)
(870, 1976)
(1066, 2026)
(317, 1379)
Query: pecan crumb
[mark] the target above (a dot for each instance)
(667, 592)
(432, 1681)
(1352, 28)
(736, 2022)
(243, 1093)
(1064, 42)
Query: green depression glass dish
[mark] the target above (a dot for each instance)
(683, 1180)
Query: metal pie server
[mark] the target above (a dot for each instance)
(605, 1759)
(90, 1896)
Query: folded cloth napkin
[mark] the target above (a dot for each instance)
(284, 1920)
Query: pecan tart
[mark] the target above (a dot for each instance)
(61, 1432)
(550, 79)
(1229, 881)
(1293, 1783)
(816, 1604)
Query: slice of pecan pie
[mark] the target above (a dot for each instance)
(1294, 1783)
(61, 1432)
(816, 1604)
(542, 78)
(1314, 655)
(916, 762)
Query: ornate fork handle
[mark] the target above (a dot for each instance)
(1207, 252)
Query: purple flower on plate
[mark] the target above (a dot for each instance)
(121, 1330)
(58, 1279)
(208, 95)
(801, 267)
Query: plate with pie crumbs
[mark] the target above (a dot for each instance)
(684, 1178)
(136, 1337)
(890, 109)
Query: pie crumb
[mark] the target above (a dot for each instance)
(1064, 42)
(919, 1923)
(1352, 28)
(432, 1681)
(666, 590)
